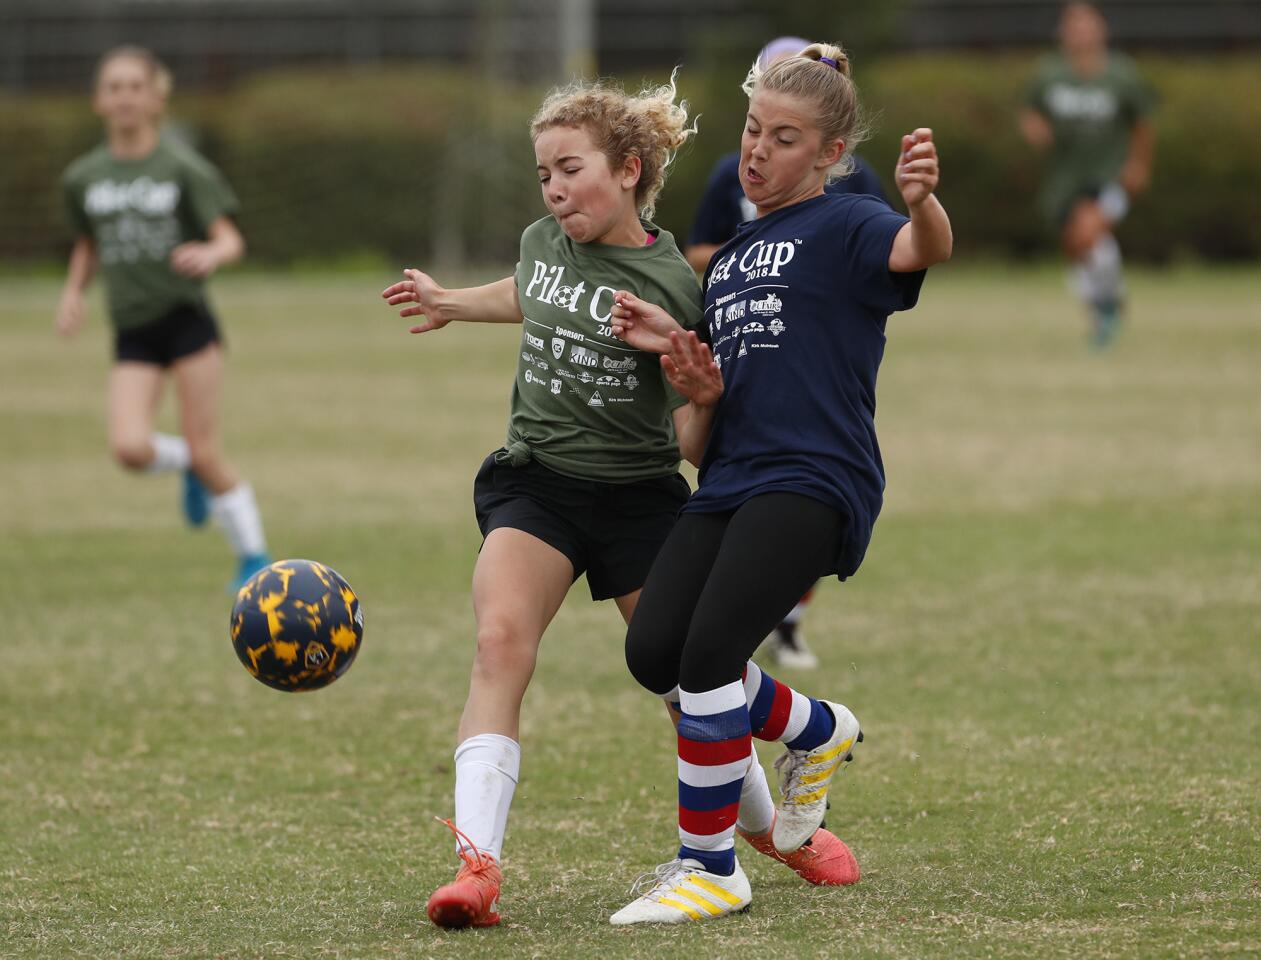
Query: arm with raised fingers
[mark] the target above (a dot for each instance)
(490, 303)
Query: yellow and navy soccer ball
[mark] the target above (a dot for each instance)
(297, 625)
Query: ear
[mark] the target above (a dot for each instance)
(830, 154)
(631, 169)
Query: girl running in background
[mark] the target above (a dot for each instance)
(1088, 108)
(588, 479)
(156, 219)
(791, 481)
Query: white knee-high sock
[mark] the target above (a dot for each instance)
(487, 768)
(169, 453)
(1103, 263)
(757, 808)
(237, 513)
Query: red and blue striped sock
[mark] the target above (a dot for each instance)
(778, 712)
(714, 745)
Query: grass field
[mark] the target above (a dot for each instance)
(1054, 646)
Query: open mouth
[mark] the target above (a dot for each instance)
(753, 176)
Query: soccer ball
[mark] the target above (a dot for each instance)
(296, 625)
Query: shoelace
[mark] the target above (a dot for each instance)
(479, 861)
(789, 766)
(661, 878)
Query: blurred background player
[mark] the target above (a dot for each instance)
(723, 208)
(1088, 109)
(156, 218)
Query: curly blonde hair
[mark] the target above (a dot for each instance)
(829, 89)
(649, 125)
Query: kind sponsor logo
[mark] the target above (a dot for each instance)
(735, 311)
(583, 357)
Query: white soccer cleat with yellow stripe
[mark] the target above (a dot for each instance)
(682, 890)
(804, 776)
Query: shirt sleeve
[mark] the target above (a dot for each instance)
(207, 193)
(1139, 99)
(869, 234)
(716, 221)
(1035, 92)
(75, 214)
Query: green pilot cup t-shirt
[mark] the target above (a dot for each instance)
(137, 212)
(586, 404)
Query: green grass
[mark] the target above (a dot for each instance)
(1053, 646)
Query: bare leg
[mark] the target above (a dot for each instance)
(518, 585)
(131, 405)
(199, 387)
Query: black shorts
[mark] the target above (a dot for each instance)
(179, 333)
(610, 531)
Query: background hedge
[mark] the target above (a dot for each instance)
(434, 166)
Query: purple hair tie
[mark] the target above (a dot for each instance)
(830, 62)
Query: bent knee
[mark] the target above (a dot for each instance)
(653, 668)
(132, 454)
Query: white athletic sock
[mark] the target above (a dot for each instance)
(169, 453)
(1103, 263)
(487, 767)
(237, 513)
(757, 808)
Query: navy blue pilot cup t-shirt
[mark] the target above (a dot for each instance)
(796, 306)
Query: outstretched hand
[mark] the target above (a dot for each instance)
(645, 326)
(421, 289)
(917, 172)
(691, 369)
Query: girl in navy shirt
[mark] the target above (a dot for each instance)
(791, 480)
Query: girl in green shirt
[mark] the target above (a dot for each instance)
(156, 219)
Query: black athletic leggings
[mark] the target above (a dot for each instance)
(721, 583)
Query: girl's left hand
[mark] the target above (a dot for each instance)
(194, 259)
(917, 172)
(691, 370)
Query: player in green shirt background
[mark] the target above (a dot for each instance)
(1088, 110)
(156, 219)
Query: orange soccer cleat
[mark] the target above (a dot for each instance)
(472, 898)
(823, 860)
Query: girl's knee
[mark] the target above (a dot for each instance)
(652, 667)
(132, 453)
(502, 648)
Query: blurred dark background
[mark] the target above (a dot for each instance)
(397, 128)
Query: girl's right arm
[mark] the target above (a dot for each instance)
(492, 303)
(71, 311)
